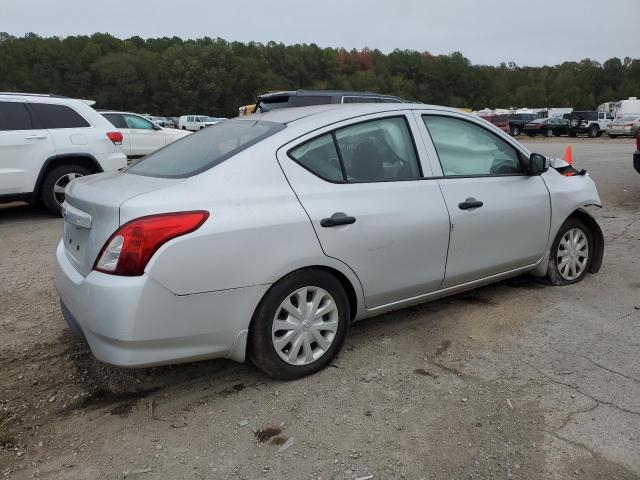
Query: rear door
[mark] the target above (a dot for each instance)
(372, 203)
(144, 138)
(500, 217)
(24, 147)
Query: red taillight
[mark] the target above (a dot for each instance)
(115, 137)
(129, 250)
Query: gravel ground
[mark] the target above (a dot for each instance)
(514, 380)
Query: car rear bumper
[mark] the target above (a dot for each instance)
(137, 322)
(636, 161)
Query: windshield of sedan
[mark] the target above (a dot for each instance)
(205, 149)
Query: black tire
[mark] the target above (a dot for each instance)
(549, 133)
(48, 194)
(613, 136)
(553, 274)
(260, 346)
(184, 128)
(515, 131)
(594, 131)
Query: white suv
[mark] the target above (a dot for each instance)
(46, 141)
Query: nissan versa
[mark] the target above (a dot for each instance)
(268, 235)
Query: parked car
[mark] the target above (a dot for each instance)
(549, 127)
(46, 141)
(273, 233)
(517, 121)
(593, 124)
(627, 126)
(162, 121)
(195, 122)
(141, 136)
(636, 156)
(501, 121)
(304, 98)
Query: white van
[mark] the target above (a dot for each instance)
(623, 108)
(195, 122)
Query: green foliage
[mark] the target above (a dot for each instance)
(171, 76)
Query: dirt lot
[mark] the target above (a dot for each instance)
(515, 380)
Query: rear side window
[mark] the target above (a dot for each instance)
(320, 156)
(116, 119)
(14, 116)
(466, 149)
(372, 151)
(203, 150)
(307, 100)
(359, 100)
(58, 116)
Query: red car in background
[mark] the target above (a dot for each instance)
(500, 121)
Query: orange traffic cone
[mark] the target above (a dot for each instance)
(568, 155)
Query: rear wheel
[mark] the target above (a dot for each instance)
(55, 183)
(299, 325)
(571, 253)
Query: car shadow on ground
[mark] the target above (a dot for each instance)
(117, 389)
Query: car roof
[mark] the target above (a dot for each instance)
(43, 98)
(337, 112)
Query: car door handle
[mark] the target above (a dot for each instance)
(36, 137)
(336, 219)
(470, 203)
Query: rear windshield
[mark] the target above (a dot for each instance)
(203, 150)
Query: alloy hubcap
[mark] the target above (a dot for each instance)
(61, 183)
(304, 326)
(573, 254)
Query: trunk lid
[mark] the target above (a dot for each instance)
(92, 211)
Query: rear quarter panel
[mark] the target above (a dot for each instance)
(257, 231)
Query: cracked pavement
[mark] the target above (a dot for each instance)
(513, 380)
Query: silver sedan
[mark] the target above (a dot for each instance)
(267, 236)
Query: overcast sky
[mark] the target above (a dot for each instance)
(485, 31)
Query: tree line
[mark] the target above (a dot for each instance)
(171, 76)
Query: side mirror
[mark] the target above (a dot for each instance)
(537, 164)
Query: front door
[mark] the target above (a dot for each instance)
(500, 217)
(371, 204)
(142, 135)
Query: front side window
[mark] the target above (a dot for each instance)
(372, 151)
(466, 149)
(58, 116)
(138, 123)
(205, 149)
(14, 116)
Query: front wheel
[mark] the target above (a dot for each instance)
(299, 325)
(594, 132)
(515, 131)
(571, 253)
